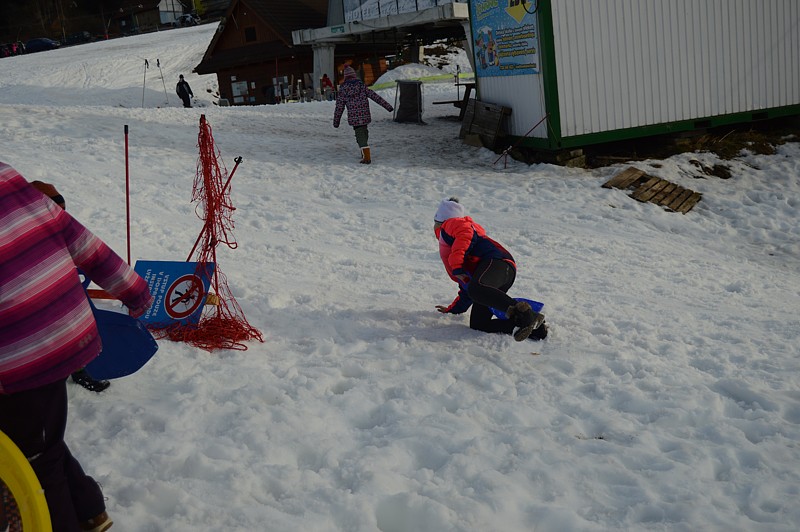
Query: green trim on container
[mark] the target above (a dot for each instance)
(578, 141)
(547, 55)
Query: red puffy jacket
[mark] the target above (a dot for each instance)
(462, 245)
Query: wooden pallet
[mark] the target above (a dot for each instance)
(652, 189)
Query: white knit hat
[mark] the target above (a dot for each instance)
(449, 208)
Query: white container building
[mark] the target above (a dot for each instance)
(606, 70)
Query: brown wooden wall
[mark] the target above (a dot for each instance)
(235, 29)
(259, 78)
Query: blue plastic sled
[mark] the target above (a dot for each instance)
(127, 345)
(535, 305)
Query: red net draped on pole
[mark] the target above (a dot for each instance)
(222, 326)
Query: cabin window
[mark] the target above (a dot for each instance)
(250, 34)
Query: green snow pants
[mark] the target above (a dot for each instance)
(362, 136)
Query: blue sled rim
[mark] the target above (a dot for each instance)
(535, 305)
(127, 346)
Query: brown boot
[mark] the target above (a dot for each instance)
(99, 523)
(365, 158)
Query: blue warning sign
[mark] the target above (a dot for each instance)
(179, 288)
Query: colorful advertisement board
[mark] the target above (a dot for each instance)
(504, 37)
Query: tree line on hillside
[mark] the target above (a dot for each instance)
(21, 20)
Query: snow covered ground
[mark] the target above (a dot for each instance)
(667, 396)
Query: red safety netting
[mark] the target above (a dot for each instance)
(222, 325)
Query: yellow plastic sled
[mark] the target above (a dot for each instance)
(18, 476)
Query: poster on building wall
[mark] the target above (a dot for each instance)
(505, 37)
(239, 90)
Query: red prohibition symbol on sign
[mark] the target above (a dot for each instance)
(184, 296)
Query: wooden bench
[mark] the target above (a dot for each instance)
(462, 103)
(484, 119)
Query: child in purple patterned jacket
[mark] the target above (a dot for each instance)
(353, 95)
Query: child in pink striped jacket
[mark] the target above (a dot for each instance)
(47, 331)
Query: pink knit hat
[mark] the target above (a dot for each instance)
(349, 73)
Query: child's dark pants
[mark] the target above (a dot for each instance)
(487, 288)
(35, 420)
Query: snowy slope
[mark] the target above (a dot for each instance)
(665, 398)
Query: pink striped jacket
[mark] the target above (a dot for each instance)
(47, 330)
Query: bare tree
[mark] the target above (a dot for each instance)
(45, 13)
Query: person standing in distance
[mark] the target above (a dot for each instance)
(184, 91)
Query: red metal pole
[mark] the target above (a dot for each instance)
(127, 195)
(505, 152)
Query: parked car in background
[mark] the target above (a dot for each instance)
(188, 19)
(41, 44)
(78, 38)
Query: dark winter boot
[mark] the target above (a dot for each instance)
(83, 378)
(540, 333)
(365, 158)
(525, 319)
